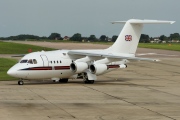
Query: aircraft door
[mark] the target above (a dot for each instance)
(45, 60)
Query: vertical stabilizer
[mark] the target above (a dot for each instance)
(128, 39)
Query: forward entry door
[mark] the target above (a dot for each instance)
(45, 60)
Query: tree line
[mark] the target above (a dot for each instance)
(92, 38)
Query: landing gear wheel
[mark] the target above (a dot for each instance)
(20, 82)
(63, 80)
(86, 80)
(89, 81)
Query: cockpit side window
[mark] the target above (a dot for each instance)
(34, 61)
(30, 61)
(23, 61)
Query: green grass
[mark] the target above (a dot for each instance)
(4, 66)
(167, 46)
(15, 48)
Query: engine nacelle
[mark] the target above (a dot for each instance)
(78, 67)
(98, 68)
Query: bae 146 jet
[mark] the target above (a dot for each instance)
(61, 65)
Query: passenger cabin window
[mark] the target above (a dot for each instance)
(23, 61)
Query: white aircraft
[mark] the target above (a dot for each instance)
(61, 65)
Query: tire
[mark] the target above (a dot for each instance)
(89, 81)
(63, 80)
(20, 82)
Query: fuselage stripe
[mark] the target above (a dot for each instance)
(61, 67)
(48, 68)
(113, 66)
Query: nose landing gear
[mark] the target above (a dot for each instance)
(20, 82)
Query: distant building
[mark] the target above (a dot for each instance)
(109, 39)
(163, 41)
(66, 38)
(156, 40)
(175, 41)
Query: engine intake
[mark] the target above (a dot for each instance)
(78, 67)
(98, 68)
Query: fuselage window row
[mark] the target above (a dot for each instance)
(55, 62)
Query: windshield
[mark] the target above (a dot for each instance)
(23, 61)
(34, 61)
(30, 61)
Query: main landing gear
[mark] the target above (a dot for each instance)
(65, 80)
(86, 80)
(20, 82)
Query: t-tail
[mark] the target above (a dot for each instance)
(128, 38)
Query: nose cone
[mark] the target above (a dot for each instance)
(12, 72)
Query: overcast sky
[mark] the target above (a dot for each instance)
(42, 17)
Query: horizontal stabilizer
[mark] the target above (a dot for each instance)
(136, 21)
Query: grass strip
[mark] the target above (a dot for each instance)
(167, 46)
(5, 65)
(16, 48)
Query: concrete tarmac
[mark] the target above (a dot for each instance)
(143, 91)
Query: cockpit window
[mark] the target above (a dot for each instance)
(34, 61)
(30, 61)
(23, 61)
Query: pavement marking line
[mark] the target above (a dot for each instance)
(52, 104)
(118, 98)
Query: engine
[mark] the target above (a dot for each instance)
(103, 68)
(98, 68)
(78, 67)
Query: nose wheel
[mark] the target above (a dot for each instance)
(20, 82)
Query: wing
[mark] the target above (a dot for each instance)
(96, 54)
